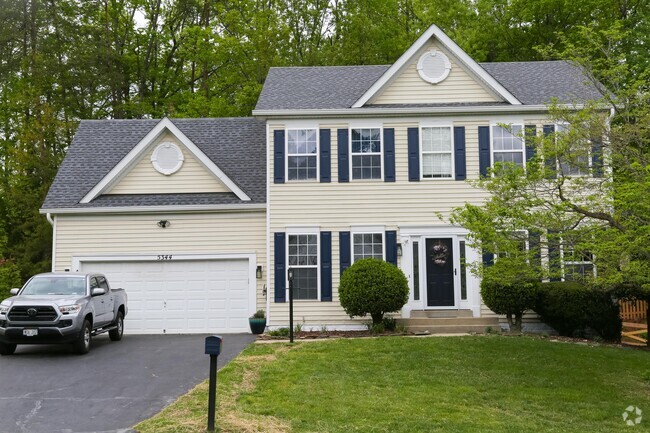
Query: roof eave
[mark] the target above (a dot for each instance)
(154, 209)
(396, 112)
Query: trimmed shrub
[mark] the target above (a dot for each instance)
(511, 299)
(372, 286)
(576, 310)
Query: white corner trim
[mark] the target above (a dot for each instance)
(449, 44)
(53, 241)
(132, 157)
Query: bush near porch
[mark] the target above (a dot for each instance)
(399, 384)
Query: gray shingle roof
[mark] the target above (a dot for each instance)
(535, 83)
(235, 145)
(328, 87)
(317, 87)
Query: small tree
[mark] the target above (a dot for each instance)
(372, 286)
(509, 287)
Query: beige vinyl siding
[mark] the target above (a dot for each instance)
(338, 207)
(410, 88)
(192, 177)
(208, 233)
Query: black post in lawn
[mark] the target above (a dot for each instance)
(290, 272)
(212, 348)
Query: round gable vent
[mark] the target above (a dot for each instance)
(434, 66)
(167, 158)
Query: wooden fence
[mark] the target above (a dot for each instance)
(634, 311)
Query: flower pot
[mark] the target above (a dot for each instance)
(257, 325)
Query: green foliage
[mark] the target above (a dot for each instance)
(372, 286)
(259, 314)
(280, 332)
(509, 288)
(9, 278)
(577, 310)
(390, 323)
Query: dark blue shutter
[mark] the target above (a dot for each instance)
(389, 155)
(534, 246)
(551, 164)
(325, 156)
(597, 157)
(278, 156)
(488, 259)
(325, 266)
(459, 152)
(280, 267)
(344, 162)
(554, 258)
(391, 246)
(413, 137)
(483, 149)
(344, 250)
(529, 136)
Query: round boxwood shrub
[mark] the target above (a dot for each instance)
(574, 309)
(510, 290)
(372, 286)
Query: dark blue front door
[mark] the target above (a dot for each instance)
(440, 272)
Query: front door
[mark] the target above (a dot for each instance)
(440, 272)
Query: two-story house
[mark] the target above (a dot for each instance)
(199, 219)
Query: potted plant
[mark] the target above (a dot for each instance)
(257, 322)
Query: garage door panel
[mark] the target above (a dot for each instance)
(193, 296)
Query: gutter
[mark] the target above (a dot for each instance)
(154, 209)
(397, 112)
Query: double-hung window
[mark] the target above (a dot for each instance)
(437, 152)
(303, 259)
(365, 245)
(578, 266)
(365, 144)
(302, 154)
(574, 160)
(508, 145)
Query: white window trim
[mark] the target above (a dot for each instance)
(381, 152)
(368, 230)
(523, 142)
(452, 151)
(557, 162)
(286, 154)
(563, 262)
(295, 231)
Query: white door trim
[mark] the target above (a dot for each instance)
(77, 260)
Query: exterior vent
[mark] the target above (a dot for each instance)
(434, 66)
(167, 158)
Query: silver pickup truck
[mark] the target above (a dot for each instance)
(62, 308)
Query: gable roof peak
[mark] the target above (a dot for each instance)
(447, 43)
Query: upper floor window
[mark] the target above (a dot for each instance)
(508, 145)
(367, 245)
(437, 152)
(366, 153)
(574, 159)
(302, 154)
(303, 259)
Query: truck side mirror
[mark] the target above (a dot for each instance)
(14, 291)
(98, 291)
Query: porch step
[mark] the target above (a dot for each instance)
(440, 313)
(449, 325)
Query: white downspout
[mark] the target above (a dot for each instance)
(52, 222)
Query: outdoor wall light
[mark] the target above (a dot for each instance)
(399, 250)
(163, 224)
(258, 272)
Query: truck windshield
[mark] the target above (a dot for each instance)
(55, 286)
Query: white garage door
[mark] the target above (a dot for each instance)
(181, 297)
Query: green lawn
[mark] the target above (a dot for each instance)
(398, 384)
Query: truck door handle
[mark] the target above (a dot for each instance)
(455, 271)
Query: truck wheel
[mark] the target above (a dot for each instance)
(116, 334)
(82, 345)
(7, 349)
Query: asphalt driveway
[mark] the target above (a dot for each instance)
(50, 389)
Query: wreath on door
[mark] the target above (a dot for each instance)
(440, 254)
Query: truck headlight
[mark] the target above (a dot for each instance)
(67, 309)
(4, 309)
